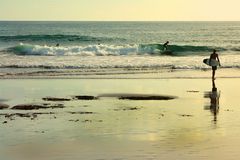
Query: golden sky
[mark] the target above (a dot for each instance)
(121, 10)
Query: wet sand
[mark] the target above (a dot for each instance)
(199, 121)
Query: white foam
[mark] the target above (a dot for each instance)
(143, 61)
(89, 50)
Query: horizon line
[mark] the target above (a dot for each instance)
(119, 20)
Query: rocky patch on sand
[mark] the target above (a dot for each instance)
(139, 96)
(79, 97)
(146, 97)
(186, 115)
(81, 112)
(3, 106)
(56, 99)
(12, 116)
(84, 97)
(37, 106)
(128, 109)
(29, 107)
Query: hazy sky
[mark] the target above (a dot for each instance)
(123, 10)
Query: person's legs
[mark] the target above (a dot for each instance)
(214, 68)
(213, 74)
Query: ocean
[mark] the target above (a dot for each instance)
(111, 47)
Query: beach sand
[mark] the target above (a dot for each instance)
(186, 127)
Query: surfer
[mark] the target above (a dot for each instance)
(165, 46)
(214, 56)
(57, 45)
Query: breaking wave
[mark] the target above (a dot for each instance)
(89, 50)
(112, 50)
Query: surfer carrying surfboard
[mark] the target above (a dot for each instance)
(214, 57)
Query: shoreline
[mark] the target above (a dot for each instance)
(118, 73)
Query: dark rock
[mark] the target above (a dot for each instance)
(129, 96)
(186, 115)
(162, 115)
(87, 121)
(5, 122)
(37, 106)
(131, 109)
(85, 97)
(127, 109)
(71, 120)
(29, 107)
(3, 106)
(25, 115)
(56, 99)
(81, 112)
(228, 110)
(43, 113)
(147, 97)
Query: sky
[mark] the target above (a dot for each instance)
(120, 10)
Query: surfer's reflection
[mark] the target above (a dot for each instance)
(214, 97)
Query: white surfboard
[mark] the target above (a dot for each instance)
(211, 62)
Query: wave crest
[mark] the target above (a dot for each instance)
(110, 49)
(89, 50)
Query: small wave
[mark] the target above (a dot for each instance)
(178, 50)
(114, 62)
(237, 49)
(114, 67)
(54, 38)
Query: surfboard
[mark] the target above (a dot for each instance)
(167, 52)
(211, 62)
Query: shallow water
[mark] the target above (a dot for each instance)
(183, 128)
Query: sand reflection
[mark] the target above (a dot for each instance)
(214, 97)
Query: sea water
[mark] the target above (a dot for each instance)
(55, 46)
